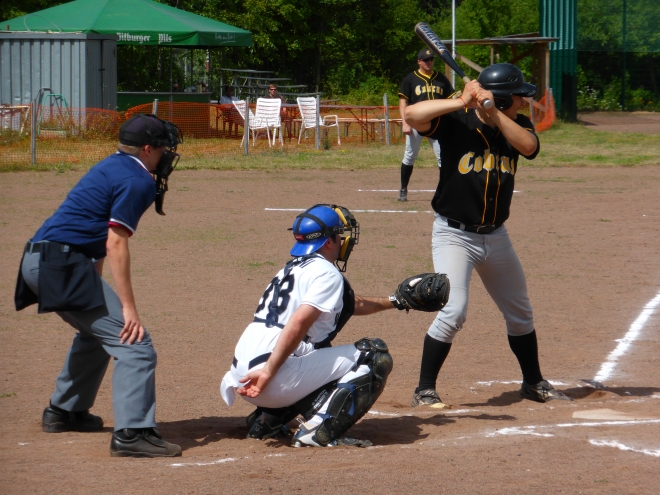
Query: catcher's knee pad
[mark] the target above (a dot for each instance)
(354, 398)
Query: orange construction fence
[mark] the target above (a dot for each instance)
(87, 135)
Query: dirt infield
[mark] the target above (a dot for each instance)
(587, 238)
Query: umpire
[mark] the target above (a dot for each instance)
(420, 85)
(61, 271)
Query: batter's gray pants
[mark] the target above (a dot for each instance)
(133, 380)
(457, 253)
(413, 143)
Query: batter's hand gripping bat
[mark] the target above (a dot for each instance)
(438, 47)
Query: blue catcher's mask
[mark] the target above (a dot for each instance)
(316, 225)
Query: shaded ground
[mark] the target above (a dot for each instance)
(642, 122)
(589, 243)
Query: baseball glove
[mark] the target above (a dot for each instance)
(424, 292)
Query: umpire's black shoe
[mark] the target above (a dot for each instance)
(141, 443)
(403, 194)
(542, 392)
(57, 420)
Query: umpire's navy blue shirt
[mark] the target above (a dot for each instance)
(116, 191)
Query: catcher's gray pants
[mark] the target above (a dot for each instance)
(413, 143)
(133, 379)
(457, 253)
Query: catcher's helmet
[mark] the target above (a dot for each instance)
(504, 80)
(313, 227)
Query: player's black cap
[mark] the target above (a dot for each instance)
(425, 53)
(143, 129)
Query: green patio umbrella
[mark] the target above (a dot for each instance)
(135, 22)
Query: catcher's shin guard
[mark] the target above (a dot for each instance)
(354, 398)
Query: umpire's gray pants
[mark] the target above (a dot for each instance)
(413, 143)
(133, 380)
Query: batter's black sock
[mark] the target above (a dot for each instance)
(433, 356)
(406, 172)
(526, 350)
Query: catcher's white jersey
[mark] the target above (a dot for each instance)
(306, 280)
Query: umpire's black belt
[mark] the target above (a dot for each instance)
(475, 229)
(253, 362)
(35, 247)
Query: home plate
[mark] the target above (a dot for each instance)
(607, 414)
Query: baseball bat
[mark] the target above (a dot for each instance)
(434, 43)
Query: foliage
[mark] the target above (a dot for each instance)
(10, 9)
(371, 91)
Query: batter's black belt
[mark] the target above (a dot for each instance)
(480, 229)
(253, 362)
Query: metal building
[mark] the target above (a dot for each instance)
(82, 68)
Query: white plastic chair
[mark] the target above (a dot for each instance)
(240, 107)
(267, 116)
(307, 106)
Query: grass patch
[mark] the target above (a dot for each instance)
(13, 394)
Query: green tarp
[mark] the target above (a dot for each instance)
(135, 22)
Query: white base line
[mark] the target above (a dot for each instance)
(396, 190)
(620, 446)
(608, 366)
(356, 211)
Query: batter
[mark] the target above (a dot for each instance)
(480, 151)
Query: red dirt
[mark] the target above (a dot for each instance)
(642, 122)
(587, 238)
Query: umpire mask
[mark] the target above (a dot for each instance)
(143, 129)
(167, 163)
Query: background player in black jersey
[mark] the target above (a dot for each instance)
(480, 150)
(420, 85)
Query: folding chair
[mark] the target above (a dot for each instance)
(307, 106)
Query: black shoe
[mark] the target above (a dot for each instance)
(141, 443)
(542, 392)
(56, 420)
(268, 426)
(403, 195)
(428, 397)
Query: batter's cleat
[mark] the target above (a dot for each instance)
(542, 392)
(430, 398)
(141, 443)
(268, 426)
(57, 420)
(403, 194)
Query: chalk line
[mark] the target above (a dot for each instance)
(355, 211)
(395, 190)
(608, 366)
(219, 461)
(620, 446)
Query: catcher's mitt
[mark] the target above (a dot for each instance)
(423, 292)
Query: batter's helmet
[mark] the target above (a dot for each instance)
(313, 227)
(504, 80)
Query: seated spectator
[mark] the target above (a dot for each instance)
(273, 93)
(228, 96)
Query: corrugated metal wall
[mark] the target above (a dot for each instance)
(558, 18)
(80, 67)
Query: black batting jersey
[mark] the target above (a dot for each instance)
(478, 168)
(418, 87)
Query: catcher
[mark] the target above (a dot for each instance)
(284, 363)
